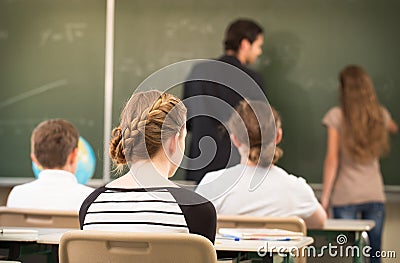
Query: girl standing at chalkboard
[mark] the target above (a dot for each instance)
(357, 137)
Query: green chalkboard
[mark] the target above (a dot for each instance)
(306, 44)
(45, 73)
(51, 66)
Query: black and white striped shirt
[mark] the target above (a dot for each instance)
(162, 209)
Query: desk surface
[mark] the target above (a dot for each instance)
(348, 225)
(42, 235)
(268, 246)
(53, 235)
(220, 244)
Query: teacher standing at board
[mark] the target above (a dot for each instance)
(243, 45)
(357, 138)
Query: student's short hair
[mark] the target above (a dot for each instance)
(241, 29)
(52, 141)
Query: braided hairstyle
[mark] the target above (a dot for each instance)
(259, 133)
(147, 120)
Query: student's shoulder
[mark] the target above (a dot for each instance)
(211, 176)
(90, 198)
(277, 173)
(85, 189)
(25, 187)
(187, 197)
(289, 179)
(227, 175)
(195, 206)
(92, 193)
(334, 111)
(333, 117)
(21, 192)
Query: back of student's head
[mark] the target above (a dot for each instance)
(259, 132)
(241, 29)
(147, 120)
(52, 141)
(278, 126)
(364, 126)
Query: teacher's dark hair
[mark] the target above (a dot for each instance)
(239, 30)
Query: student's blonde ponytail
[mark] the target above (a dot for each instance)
(259, 132)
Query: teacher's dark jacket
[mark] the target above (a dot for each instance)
(207, 112)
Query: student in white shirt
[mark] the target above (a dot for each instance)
(54, 147)
(255, 186)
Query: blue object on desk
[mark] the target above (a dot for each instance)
(236, 238)
(230, 237)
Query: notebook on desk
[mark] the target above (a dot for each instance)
(17, 231)
(258, 234)
(18, 234)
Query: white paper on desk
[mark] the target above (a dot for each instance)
(258, 233)
(9, 231)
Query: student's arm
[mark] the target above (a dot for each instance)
(392, 127)
(390, 123)
(317, 219)
(330, 166)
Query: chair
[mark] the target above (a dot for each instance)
(18, 217)
(287, 223)
(295, 224)
(118, 247)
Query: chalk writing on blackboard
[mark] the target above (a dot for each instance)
(71, 32)
(3, 34)
(172, 28)
(33, 92)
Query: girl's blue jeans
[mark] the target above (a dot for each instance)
(370, 211)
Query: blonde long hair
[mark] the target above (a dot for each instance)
(365, 135)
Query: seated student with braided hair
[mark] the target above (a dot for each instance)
(276, 193)
(151, 140)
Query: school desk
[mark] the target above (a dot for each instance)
(25, 241)
(343, 232)
(242, 246)
(270, 247)
(50, 237)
